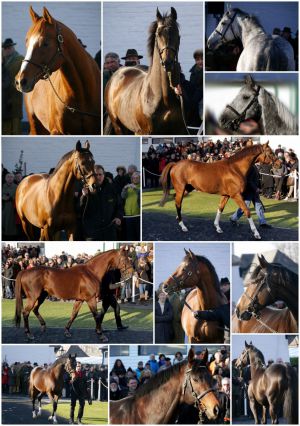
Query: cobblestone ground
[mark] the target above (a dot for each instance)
(162, 227)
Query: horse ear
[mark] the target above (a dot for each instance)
(173, 14)
(34, 16)
(191, 357)
(191, 253)
(262, 261)
(249, 80)
(46, 15)
(186, 252)
(87, 145)
(246, 344)
(158, 15)
(78, 146)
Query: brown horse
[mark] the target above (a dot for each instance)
(156, 401)
(270, 320)
(145, 103)
(61, 81)
(197, 271)
(275, 386)
(50, 382)
(81, 283)
(225, 177)
(269, 282)
(47, 201)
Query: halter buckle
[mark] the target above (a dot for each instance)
(60, 38)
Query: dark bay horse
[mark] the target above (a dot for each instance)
(47, 201)
(156, 401)
(269, 320)
(269, 282)
(197, 271)
(254, 103)
(226, 177)
(145, 103)
(50, 382)
(271, 387)
(81, 283)
(61, 81)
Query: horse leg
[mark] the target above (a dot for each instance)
(178, 202)
(264, 415)
(40, 300)
(241, 203)
(222, 204)
(34, 394)
(36, 127)
(26, 311)
(28, 229)
(53, 401)
(273, 410)
(40, 396)
(92, 304)
(76, 307)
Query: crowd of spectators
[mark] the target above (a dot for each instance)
(28, 256)
(275, 180)
(125, 186)
(125, 381)
(15, 379)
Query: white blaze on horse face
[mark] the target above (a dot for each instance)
(32, 42)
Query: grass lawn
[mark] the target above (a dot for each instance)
(94, 414)
(282, 214)
(56, 314)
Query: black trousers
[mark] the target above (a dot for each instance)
(107, 301)
(74, 398)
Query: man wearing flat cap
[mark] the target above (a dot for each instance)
(132, 58)
(12, 100)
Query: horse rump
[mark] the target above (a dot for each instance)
(165, 181)
(290, 404)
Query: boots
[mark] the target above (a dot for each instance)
(120, 326)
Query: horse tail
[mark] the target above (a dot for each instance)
(108, 127)
(165, 181)
(19, 300)
(290, 404)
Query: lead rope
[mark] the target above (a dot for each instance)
(264, 324)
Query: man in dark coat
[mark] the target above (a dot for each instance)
(101, 212)
(163, 320)
(220, 314)
(79, 391)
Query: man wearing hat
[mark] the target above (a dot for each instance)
(12, 100)
(132, 58)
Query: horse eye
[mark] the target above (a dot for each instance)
(45, 44)
(246, 97)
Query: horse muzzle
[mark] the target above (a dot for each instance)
(244, 316)
(23, 84)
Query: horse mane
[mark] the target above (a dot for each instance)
(253, 19)
(280, 110)
(167, 21)
(59, 361)
(286, 273)
(254, 149)
(164, 376)
(211, 269)
(98, 254)
(259, 358)
(66, 157)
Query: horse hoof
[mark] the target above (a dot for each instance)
(67, 333)
(34, 416)
(257, 236)
(183, 227)
(103, 338)
(39, 413)
(43, 329)
(219, 230)
(30, 337)
(50, 418)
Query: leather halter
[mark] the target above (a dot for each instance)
(197, 397)
(254, 307)
(84, 177)
(179, 283)
(161, 51)
(46, 68)
(227, 28)
(235, 122)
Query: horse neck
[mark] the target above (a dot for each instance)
(58, 371)
(244, 164)
(275, 115)
(171, 393)
(100, 264)
(63, 180)
(254, 367)
(248, 29)
(289, 294)
(158, 81)
(208, 296)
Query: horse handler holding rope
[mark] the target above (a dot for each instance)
(79, 391)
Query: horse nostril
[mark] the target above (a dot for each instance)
(23, 82)
(216, 410)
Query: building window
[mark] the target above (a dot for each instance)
(119, 351)
(144, 350)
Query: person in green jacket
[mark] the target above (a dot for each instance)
(131, 194)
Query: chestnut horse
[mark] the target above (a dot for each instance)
(144, 102)
(61, 81)
(269, 320)
(50, 382)
(81, 283)
(197, 271)
(47, 201)
(226, 177)
(269, 282)
(156, 401)
(275, 386)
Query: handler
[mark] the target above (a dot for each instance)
(220, 314)
(80, 391)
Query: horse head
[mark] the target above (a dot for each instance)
(186, 275)
(244, 359)
(83, 166)
(197, 388)
(226, 30)
(167, 40)
(45, 51)
(124, 264)
(70, 364)
(260, 290)
(267, 156)
(245, 107)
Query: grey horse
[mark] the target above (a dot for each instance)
(261, 51)
(253, 103)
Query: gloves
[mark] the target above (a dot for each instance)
(197, 314)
